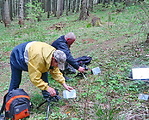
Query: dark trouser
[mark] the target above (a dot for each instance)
(16, 76)
(44, 77)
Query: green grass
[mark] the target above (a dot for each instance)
(117, 47)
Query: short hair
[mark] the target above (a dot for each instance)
(70, 35)
(60, 57)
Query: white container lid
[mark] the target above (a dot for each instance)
(96, 71)
(140, 73)
(71, 94)
(143, 97)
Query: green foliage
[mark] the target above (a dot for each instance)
(88, 25)
(106, 114)
(57, 116)
(34, 10)
(4, 86)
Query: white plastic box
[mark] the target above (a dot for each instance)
(96, 71)
(71, 94)
(140, 73)
(143, 97)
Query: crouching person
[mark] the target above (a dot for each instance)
(38, 58)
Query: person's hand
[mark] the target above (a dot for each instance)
(81, 69)
(51, 91)
(67, 87)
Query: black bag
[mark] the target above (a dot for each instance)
(83, 60)
(16, 105)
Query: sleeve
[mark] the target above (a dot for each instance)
(35, 75)
(57, 75)
(63, 47)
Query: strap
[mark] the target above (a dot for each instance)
(41, 104)
(3, 105)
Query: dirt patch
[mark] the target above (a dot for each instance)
(4, 65)
(57, 26)
(4, 54)
(88, 41)
(112, 43)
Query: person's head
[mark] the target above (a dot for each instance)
(70, 38)
(58, 59)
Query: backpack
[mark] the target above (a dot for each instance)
(16, 105)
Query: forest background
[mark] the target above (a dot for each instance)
(113, 32)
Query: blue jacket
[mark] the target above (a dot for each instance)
(61, 44)
(17, 57)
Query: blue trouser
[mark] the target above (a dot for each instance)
(17, 63)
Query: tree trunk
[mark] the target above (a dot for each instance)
(62, 7)
(58, 8)
(67, 7)
(98, 1)
(54, 7)
(73, 5)
(11, 9)
(21, 13)
(78, 6)
(1, 11)
(84, 12)
(48, 7)
(6, 14)
(90, 7)
(16, 8)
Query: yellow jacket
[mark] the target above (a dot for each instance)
(39, 61)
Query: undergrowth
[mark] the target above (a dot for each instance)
(116, 47)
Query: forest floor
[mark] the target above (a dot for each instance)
(116, 47)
